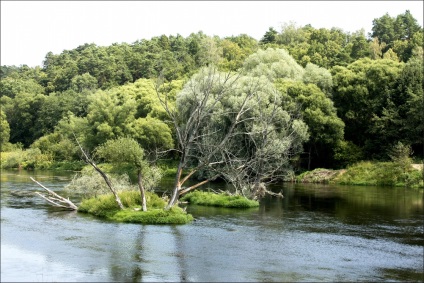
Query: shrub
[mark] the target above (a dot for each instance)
(220, 200)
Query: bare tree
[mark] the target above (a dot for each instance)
(195, 107)
(263, 143)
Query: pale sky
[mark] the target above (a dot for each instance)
(30, 29)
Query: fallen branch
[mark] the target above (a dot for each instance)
(54, 198)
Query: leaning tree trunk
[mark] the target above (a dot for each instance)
(105, 177)
(109, 184)
(142, 191)
(177, 187)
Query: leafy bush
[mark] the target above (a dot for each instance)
(59, 147)
(12, 159)
(90, 184)
(221, 200)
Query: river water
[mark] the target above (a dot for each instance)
(316, 233)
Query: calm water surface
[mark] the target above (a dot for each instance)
(316, 233)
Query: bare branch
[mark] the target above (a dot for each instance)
(56, 199)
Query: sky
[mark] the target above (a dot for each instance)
(31, 29)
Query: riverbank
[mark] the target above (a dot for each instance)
(366, 173)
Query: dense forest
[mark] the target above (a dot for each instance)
(358, 95)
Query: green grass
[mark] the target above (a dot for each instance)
(175, 215)
(104, 206)
(219, 200)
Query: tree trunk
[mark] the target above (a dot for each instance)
(181, 191)
(309, 158)
(177, 186)
(142, 191)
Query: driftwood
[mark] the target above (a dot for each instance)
(54, 198)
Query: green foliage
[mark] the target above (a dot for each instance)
(265, 135)
(128, 151)
(59, 147)
(4, 129)
(13, 159)
(274, 64)
(152, 133)
(101, 206)
(121, 150)
(400, 154)
(325, 128)
(220, 200)
(318, 76)
(12, 85)
(56, 105)
(270, 36)
(22, 114)
(26, 159)
(363, 93)
(397, 33)
(347, 153)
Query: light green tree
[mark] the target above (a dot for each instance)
(319, 76)
(274, 64)
(127, 150)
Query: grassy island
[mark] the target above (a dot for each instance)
(105, 206)
(219, 200)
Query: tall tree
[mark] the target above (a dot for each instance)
(217, 129)
(362, 92)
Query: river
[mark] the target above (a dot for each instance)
(315, 233)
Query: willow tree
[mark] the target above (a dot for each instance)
(231, 126)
